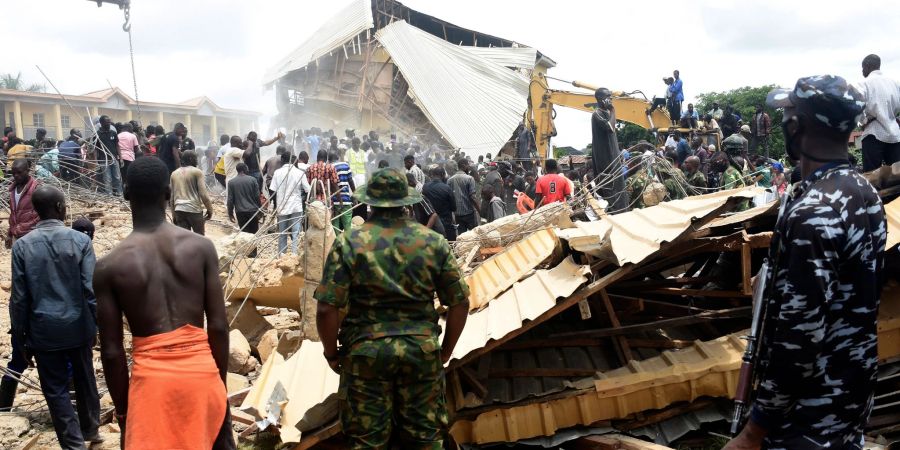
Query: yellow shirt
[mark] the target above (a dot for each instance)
(17, 151)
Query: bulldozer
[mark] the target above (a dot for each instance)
(629, 108)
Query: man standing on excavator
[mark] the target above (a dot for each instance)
(605, 152)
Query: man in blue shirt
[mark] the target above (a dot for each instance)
(70, 156)
(682, 149)
(53, 314)
(676, 89)
(690, 117)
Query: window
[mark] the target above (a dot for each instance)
(38, 120)
(12, 120)
(207, 133)
(65, 122)
(295, 97)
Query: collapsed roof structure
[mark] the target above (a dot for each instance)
(371, 67)
(629, 324)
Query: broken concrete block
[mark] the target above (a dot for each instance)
(13, 425)
(239, 359)
(270, 283)
(251, 324)
(267, 311)
(235, 245)
(235, 382)
(267, 344)
(289, 343)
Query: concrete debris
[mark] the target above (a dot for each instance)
(512, 228)
(267, 344)
(239, 358)
(235, 382)
(249, 322)
(270, 283)
(289, 343)
(236, 245)
(316, 244)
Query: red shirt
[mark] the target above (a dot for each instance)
(553, 187)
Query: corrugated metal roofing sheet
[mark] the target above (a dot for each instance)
(307, 384)
(526, 300)
(354, 19)
(632, 236)
(512, 57)
(474, 102)
(499, 272)
(705, 369)
(892, 211)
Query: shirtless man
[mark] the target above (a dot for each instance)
(164, 279)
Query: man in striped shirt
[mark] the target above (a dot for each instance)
(342, 200)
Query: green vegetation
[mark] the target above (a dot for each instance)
(15, 82)
(630, 134)
(744, 101)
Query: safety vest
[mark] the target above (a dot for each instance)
(357, 161)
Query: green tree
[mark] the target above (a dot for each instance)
(744, 102)
(630, 134)
(15, 82)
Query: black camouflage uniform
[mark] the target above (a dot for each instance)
(819, 357)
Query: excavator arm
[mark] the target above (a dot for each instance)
(542, 99)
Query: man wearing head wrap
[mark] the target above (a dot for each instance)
(818, 356)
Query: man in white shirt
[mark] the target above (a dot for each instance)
(233, 155)
(881, 131)
(289, 183)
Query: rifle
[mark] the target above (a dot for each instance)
(748, 374)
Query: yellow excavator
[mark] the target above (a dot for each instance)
(630, 109)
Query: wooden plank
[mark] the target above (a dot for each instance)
(746, 285)
(614, 442)
(550, 343)
(456, 391)
(669, 282)
(30, 443)
(659, 343)
(311, 439)
(468, 375)
(542, 372)
(742, 311)
(614, 319)
(659, 416)
(682, 292)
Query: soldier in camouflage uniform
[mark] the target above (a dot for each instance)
(818, 355)
(671, 181)
(695, 178)
(385, 274)
(637, 182)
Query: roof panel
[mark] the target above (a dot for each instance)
(632, 236)
(474, 102)
(354, 19)
(512, 57)
(526, 300)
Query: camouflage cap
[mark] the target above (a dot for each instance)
(829, 99)
(388, 188)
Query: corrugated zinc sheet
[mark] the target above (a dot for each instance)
(308, 385)
(474, 102)
(503, 269)
(526, 300)
(706, 369)
(354, 19)
(512, 57)
(892, 211)
(632, 236)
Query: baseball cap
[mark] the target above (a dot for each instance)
(829, 99)
(745, 128)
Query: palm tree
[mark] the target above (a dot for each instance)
(14, 82)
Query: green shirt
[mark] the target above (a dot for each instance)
(385, 273)
(733, 178)
(635, 186)
(697, 181)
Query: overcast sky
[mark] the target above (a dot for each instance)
(221, 48)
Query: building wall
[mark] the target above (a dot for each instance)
(202, 127)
